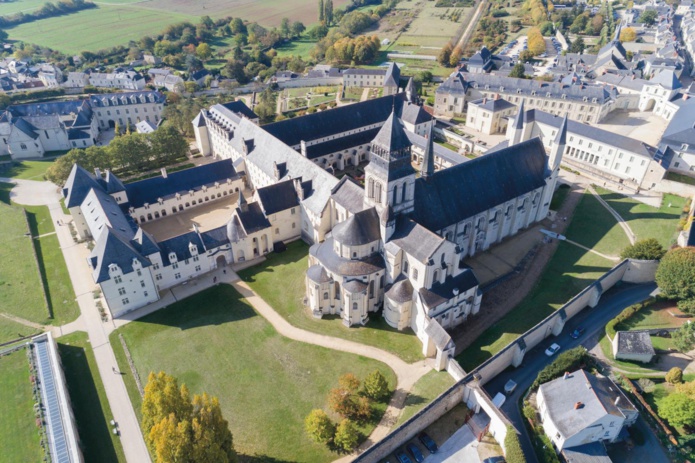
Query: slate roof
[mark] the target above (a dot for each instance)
(179, 246)
(441, 293)
(278, 197)
(439, 336)
(462, 191)
(346, 267)
(26, 128)
(341, 119)
(680, 130)
(349, 194)
(667, 79)
(354, 286)
(77, 186)
(597, 396)
(252, 218)
(594, 452)
(439, 151)
(149, 190)
(415, 240)
(104, 100)
(492, 104)
(239, 107)
(336, 145)
(392, 135)
(113, 247)
(455, 84)
(635, 342)
(392, 76)
(358, 229)
(144, 243)
(364, 72)
(317, 274)
(401, 291)
(215, 238)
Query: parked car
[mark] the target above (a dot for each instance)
(499, 400)
(510, 386)
(415, 452)
(428, 442)
(552, 350)
(498, 459)
(402, 457)
(577, 333)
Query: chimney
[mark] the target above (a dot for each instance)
(298, 188)
(195, 228)
(97, 172)
(685, 96)
(578, 405)
(484, 100)
(164, 172)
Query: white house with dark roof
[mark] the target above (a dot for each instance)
(388, 78)
(123, 80)
(678, 141)
(489, 115)
(580, 408)
(658, 94)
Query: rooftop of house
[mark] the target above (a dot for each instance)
(635, 342)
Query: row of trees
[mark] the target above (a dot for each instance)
(359, 50)
(47, 10)
(134, 152)
(179, 429)
(353, 402)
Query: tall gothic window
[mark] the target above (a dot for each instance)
(403, 193)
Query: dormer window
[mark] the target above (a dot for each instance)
(114, 268)
(684, 146)
(172, 257)
(136, 264)
(193, 249)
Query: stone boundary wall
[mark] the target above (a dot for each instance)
(311, 82)
(469, 389)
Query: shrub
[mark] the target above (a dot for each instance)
(684, 337)
(687, 306)
(346, 435)
(676, 274)
(512, 447)
(319, 427)
(674, 376)
(646, 385)
(376, 386)
(567, 361)
(649, 249)
(625, 315)
(678, 409)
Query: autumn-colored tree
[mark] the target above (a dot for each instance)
(363, 409)
(211, 438)
(169, 440)
(445, 54)
(342, 402)
(164, 397)
(203, 51)
(536, 42)
(674, 376)
(346, 435)
(376, 386)
(628, 35)
(319, 426)
(456, 55)
(350, 382)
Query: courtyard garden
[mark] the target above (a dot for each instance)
(267, 384)
(279, 280)
(19, 435)
(89, 403)
(572, 268)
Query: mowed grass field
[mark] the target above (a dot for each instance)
(19, 436)
(280, 281)
(429, 31)
(267, 384)
(19, 6)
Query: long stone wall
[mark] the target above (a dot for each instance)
(469, 388)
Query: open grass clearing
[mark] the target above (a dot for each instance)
(20, 6)
(19, 436)
(59, 290)
(29, 170)
(89, 403)
(424, 391)
(634, 368)
(215, 342)
(647, 221)
(280, 282)
(596, 228)
(301, 47)
(11, 330)
(661, 314)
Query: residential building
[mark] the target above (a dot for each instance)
(124, 80)
(388, 79)
(635, 346)
(678, 141)
(489, 115)
(581, 408)
(127, 108)
(77, 80)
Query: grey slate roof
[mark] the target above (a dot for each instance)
(239, 107)
(354, 286)
(441, 338)
(455, 84)
(392, 76)
(121, 99)
(667, 79)
(358, 229)
(462, 191)
(392, 135)
(349, 194)
(416, 240)
(336, 145)
(492, 104)
(401, 291)
(635, 342)
(680, 129)
(215, 238)
(147, 191)
(317, 274)
(278, 197)
(113, 248)
(441, 293)
(252, 218)
(77, 186)
(594, 452)
(439, 151)
(346, 267)
(179, 246)
(597, 396)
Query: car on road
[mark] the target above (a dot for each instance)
(428, 442)
(552, 350)
(510, 386)
(577, 333)
(415, 452)
(402, 457)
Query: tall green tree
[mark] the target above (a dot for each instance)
(678, 409)
(321, 11)
(518, 71)
(346, 435)
(319, 426)
(328, 12)
(376, 386)
(648, 17)
(647, 249)
(285, 28)
(676, 274)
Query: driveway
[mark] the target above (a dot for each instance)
(594, 320)
(32, 192)
(461, 447)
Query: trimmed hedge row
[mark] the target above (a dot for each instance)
(512, 447)
(567, 361)
(625, 315)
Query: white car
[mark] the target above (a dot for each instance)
(552, 350)
(510, 386)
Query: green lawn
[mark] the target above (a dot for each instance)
(635, 369)
(424, 391)
(20, 286)
(680, 178)
(280, 282)
(267, 384)
(29, 170)
(647, 221)
(10, 330)
(92, 29)
(595, 227)
(61, 295)
(657, 315)
(301, 47)
(24, 6)
(40, 221)
(89, 403)
(19, 436)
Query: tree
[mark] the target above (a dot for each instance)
(376, 386)
(342, 401)
(456, 55)
(518, 71)
(674, 376)
(676, 274)
(328, 12)
(203, 51)
(237, 25)
(319, 427)
(445, 54)
(297, 28)
(648, 17)
(628, 35)
(321, 11)
(349, 382)
(169, 440)
(168, 143)
(285, 28)
(646, 385)
(577, 46)
(346, 435)
(211, 438)
(648, 249)
(687, 389)
(512, 447)
(684, 337)
(162, 398)
(678, 409)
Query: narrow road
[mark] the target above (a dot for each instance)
(593, 320)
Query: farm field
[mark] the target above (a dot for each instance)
(267, 384)
(23, 6)
(430, 30)
(19, 436)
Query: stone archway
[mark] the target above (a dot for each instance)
(221, 261)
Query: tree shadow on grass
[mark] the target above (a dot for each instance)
(213, 306)
(241, 458)
(95, 438)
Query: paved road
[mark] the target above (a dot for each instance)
(593, 319)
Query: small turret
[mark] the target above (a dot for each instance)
(558, 146)
(428, 158)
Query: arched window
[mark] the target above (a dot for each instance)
(371, 289)
(405, 267)
(435, 280)
(403, 193)
(395, 194)
(354, 306)
(377, 192)
(325, 296)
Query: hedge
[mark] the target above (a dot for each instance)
(512, 447)
(625, 315)
(571, 360)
